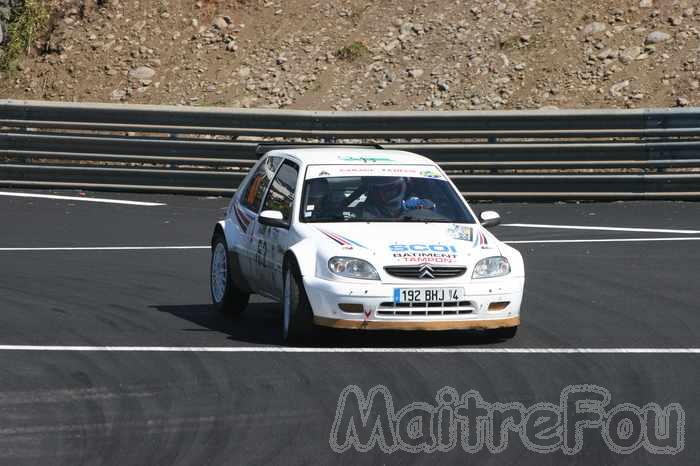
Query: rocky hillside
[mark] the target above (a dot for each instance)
(381, 54)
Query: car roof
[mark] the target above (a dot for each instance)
(352, 156)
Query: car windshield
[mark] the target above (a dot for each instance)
(425, 196)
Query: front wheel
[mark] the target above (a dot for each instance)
(297, 317)
(225, 295)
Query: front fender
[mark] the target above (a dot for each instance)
(234, 258)
(220, 227)
(305, 253)
(515, 258)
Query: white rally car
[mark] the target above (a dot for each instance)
(362, 238)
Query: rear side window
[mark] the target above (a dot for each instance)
(255, 190)
(281, 194)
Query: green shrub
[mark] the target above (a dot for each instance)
(27, 24)
(352, 52)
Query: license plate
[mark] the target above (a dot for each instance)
(427, 295)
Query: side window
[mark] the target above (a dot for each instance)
(281, 194)
(255, 190)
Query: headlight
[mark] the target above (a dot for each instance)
(352, 268)
(491, 267)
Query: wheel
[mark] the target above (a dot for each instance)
(503, 333)
(297, 317)
(225, 295)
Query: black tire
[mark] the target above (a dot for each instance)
(228, 298)
(298, 326)
(503, 333)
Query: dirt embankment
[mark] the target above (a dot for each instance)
(360, 55)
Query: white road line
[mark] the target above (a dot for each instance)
(167, 248)
(282, 349)
(82, 199)
(106, 248)
(580, 227)
(602, 240)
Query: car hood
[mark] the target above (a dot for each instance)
(408, 243)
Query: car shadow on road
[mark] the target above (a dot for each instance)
(261, 324)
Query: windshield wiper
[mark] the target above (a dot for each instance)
(330, 218)
(404, 218)
(407, 218)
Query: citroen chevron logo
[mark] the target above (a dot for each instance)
(425, 271)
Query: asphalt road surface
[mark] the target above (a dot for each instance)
(115, 356)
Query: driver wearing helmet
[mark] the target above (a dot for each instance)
(385, 196)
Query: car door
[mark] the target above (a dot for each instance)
(244, 212)
(272, 242)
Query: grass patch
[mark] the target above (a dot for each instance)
(512, 42)
(352, 52)
(28, 23)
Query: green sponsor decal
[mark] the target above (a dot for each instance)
(348, 158)
(430, 174)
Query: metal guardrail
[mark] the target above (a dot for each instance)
(586, 154)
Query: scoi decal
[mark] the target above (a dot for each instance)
(424, 253)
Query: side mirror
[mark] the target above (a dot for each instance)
(489, 218)
(272, 218)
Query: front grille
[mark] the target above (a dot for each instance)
(425, 271)
(450, 308)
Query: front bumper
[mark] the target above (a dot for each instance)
(419, 325)
(374, 309)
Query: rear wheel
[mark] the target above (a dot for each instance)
(503, 333)
(297, 317)
(225, 295)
